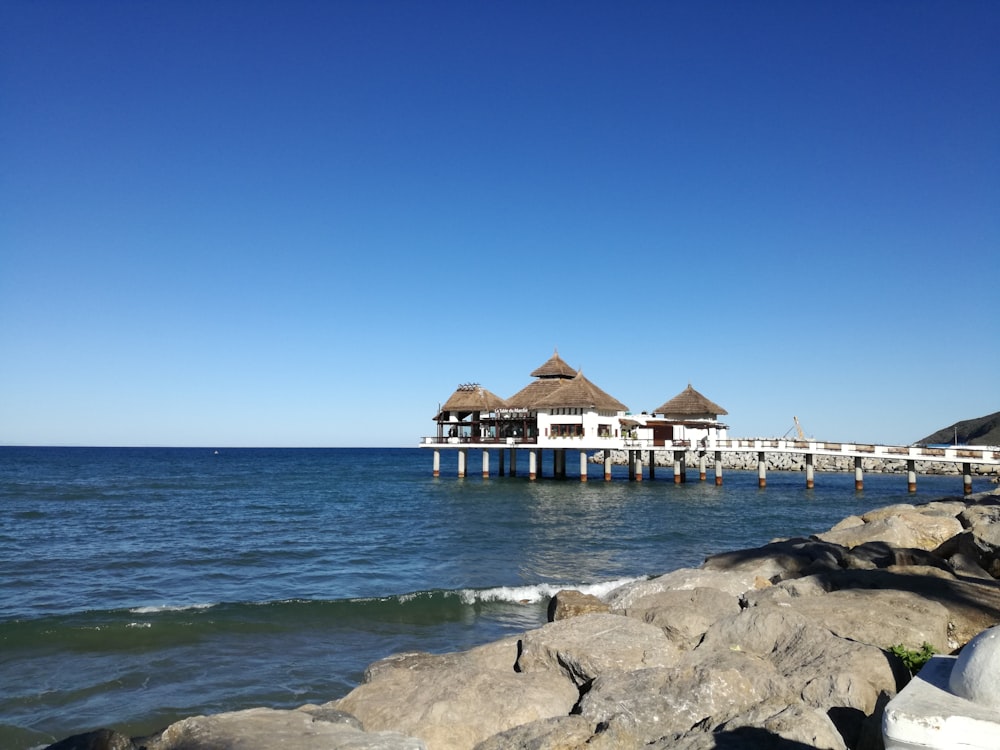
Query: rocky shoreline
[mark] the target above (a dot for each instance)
(788, 645)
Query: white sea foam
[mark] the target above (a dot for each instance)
(539, 592)
(152, 610)
(139, 625)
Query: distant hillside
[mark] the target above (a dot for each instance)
(982, 431)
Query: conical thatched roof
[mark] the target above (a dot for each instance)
(554, 367)
(690, 403)
(580, 393)
(471, 397)
(533, 392)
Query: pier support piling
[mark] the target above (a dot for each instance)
(532, 464)
(502, 469)
(607, 466)
(583, 466)
(513, 462)
(461, 463)
(911, 475)
(631, 466)
(761, 470)
(638, 466)
(702, 461)
(437, 463)
(678, 471)
(966, 479)
(718, 468)
(810, 471)
(486, 464)
(859, 476)
(652, 465)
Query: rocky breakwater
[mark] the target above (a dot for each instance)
(787, 645)
(747, 461)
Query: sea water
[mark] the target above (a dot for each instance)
(140, 585)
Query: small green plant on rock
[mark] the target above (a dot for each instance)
(913, 660)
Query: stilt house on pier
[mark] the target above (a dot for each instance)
(561, 408)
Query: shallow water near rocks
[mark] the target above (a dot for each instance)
(139, 586)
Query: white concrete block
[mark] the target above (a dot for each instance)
(927, 714)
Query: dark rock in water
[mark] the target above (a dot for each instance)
(571, 603)
(100, 739)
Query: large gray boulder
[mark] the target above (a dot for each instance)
(584, 647)
(902, 528)
(572, 732)
(454, 701)
(640, 707)
(882, 618)
(781, 559)
(734, 583)
(684, 615)
(973, 604)
(841, 677)
(983, 523)
(266, 729)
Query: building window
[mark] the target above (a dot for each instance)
(567, 430)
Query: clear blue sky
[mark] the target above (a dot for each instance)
(305, 223)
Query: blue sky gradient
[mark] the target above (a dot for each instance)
(304, 223)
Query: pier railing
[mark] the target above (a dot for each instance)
(458, 440)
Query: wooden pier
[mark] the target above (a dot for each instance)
(642, 453)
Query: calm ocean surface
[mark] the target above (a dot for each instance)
(139, 586)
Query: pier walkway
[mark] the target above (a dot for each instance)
(985, 458)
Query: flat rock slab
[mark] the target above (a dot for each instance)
(882, 618)
(686, 614)
(732, 582)
(584, 647)
(904, 528)
(453, 702)
(266, 729)
(973, 604)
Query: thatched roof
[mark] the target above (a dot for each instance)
(533, 392)
(554, 367)
(689, 403)
(580, 393)
(472, 397)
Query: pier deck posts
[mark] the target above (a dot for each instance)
(761, 470)
(461, 462)
(607, 466)
(513, 462)
(702, 460)
(911, 475)
(859, 476)
(678, 472)
(502, 457)
(437, 463)
(652, 465)
(638, 466)
(631, 466)
(532, 464)
(966, 478)
(684, 467)
(583, 466)
(486, 463)
(810, 471)
(718, 468)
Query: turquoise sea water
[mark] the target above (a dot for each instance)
(139, 586)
